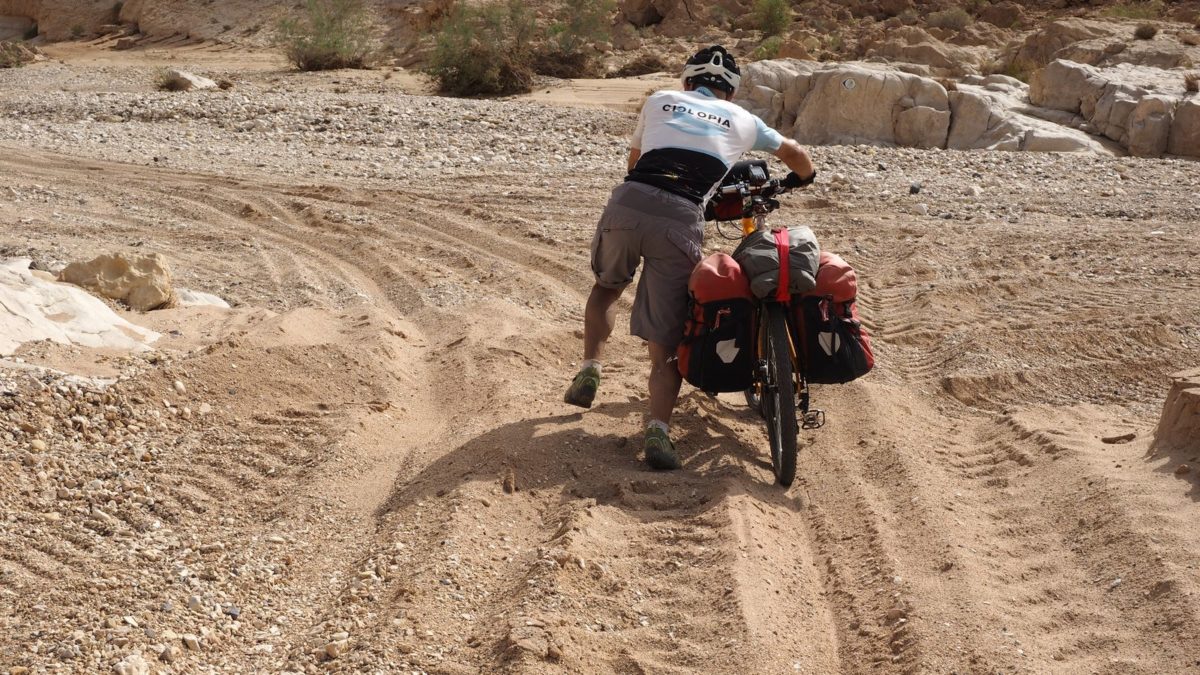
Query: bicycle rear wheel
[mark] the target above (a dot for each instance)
(779, 393)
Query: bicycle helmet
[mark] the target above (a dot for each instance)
(712, 67)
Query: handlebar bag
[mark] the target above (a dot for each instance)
(717, 352)
(758, 254)
(835, 347)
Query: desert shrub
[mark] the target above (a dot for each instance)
(769, 48)
(772, 16)
(642, 65)
(1145, 31)
(564, 51)
(485, 50)
(1191, 81)
(951, 19)
(908, 17)
(1137, 10)
(328, 34)
(77, 31)
(164, 81)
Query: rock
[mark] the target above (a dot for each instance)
(179, 387)
(170, 654)
(1185, 130)
(1042, 46)
(1179, 425)
(37, 445)
(33, 308)
(16, 54)
(125, 43)
(1182, 469)
(915, 188)
(911, 44)
(1114, 440)
(852, 104)
(337, 648)
(1149, 126)
(1003, 14)
(133, 664)
(191, 642)
(181, 80)
(143, 283)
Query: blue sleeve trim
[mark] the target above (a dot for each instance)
(767, 138)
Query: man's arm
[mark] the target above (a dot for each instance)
(634, 155)
(796, 158)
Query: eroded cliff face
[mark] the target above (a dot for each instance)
(63, 19)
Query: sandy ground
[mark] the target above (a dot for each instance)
(384, 479)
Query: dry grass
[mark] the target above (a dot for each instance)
(1145, 31)
(1191, 81)
(951, 19)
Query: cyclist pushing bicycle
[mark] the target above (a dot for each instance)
(684, 144)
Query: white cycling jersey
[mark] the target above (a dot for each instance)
(689, 140)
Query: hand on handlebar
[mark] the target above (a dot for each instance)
(793, 180)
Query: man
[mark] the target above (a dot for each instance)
(684, 144)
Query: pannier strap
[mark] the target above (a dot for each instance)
(782, 294)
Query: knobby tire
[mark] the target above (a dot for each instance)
(779, 397)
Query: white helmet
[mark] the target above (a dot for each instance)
(712, 67)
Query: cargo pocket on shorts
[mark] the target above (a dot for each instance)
(686, 241)
(613, 261)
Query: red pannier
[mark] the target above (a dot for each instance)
(834, 345)
(717, 352)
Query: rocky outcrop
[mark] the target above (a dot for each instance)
(1179, 426)
(142, 283)
(820, 103)
(1146, 110)
(910, 44)
(34, 307)
(13, 54)
(15, 27)
(1099, 43)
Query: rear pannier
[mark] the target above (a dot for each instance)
(834, 346)
(717, 352)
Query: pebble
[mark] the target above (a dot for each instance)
(191, 642)
(1182, 469)
(180, 388)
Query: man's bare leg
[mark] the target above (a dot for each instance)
(664, 392)
(599, 316)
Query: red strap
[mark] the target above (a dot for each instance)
(782, 294)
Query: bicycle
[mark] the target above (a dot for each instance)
(779, 385)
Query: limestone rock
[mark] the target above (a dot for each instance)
(1179, 426)
(1149, 126)
(1042, 46)
(34, 308)
(143, 283)
(181, 80)
(1004, 14)
(1185, 132)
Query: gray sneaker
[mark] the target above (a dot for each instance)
(660, 451)
(583, 389)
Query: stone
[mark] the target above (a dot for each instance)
(1185, 130)
(337, 648)
(143, 282)
(1148, 129)
(125, 43)
(181, 80)
(1179, 424)
(170, 654)
(191, 642)
(179, 387)
(1003, 14)
(133, 664)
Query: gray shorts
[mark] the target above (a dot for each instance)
(646, 223)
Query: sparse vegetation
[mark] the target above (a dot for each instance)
(769, 48)
(1145, 31)
(1191, 81)
(950, 19)
(565, 49)
(485, 50)
(164, 81)
(328, 34)
(77, 31)
(643, 65)
(1137, 10)
(772, 16)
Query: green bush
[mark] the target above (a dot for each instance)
(951, 19)
(769, 48)
(485, 50)
(1145, 31)
(564, 49)
(329, 34)
(772, 16)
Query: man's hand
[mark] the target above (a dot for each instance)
(796, 158)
